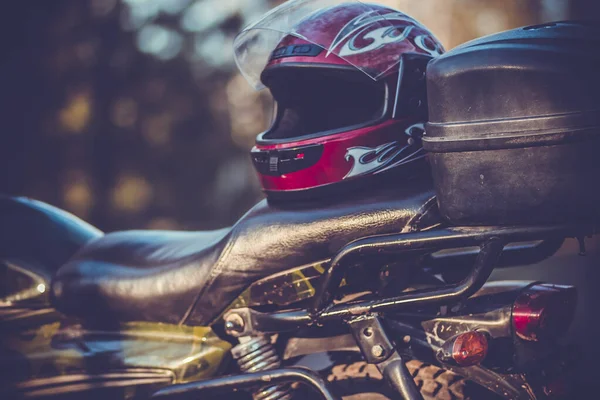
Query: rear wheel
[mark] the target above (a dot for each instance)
(362, 381)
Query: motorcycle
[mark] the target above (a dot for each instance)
(384, 300)
(384, 293)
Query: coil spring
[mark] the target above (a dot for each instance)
(258, 354)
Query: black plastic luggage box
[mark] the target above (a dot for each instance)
(514, 131)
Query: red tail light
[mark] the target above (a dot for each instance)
(466, 349)
(543, 311)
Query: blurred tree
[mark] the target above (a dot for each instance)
(124, 118)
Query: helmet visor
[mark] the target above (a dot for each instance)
(315, 102)
(352, 32)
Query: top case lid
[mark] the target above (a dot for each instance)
(522, 80)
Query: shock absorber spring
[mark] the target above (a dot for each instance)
(255, 354)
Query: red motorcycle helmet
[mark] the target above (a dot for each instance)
(348, 81)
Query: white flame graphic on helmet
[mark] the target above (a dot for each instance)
(389, 155)
(379, 37)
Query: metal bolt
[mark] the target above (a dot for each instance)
(377, 351)
(229, 326)
(234, 323)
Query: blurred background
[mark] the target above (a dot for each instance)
(131, 114)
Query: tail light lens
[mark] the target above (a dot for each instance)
(466, 349)
(543, 311)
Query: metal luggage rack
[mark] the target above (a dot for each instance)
(362, 316)
(491, 241)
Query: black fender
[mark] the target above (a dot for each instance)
(40, 234)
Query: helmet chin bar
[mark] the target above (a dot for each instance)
(285, 161)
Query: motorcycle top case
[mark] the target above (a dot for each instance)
(514, 131)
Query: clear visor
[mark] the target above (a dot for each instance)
(368, 28)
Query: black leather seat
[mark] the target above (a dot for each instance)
(190, 277)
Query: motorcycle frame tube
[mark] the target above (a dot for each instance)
(246, 381)
(369, 334)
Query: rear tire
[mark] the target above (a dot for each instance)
(362, 381)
